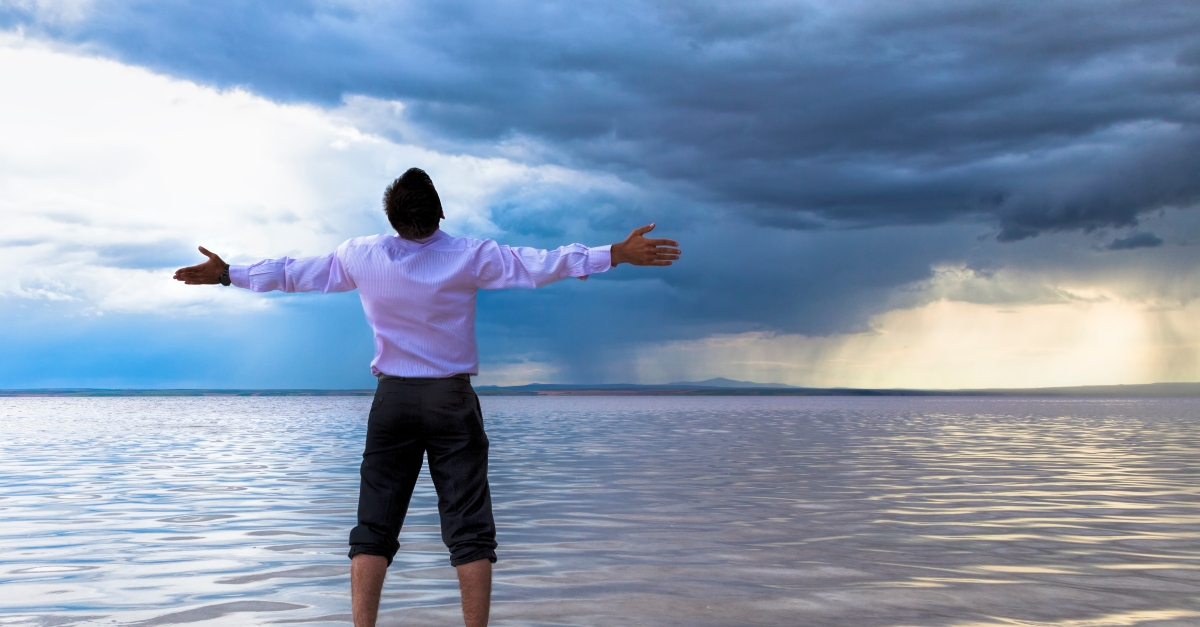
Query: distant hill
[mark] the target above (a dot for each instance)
(728, 387)
(722, 382)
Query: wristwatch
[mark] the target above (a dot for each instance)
(225, 276)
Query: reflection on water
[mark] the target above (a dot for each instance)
(617, 511)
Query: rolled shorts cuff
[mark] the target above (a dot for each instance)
(466, 557)
(366, 549)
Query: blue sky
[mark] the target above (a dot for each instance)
(927, 194)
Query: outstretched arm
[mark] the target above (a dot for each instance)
(311, 274)
(498, 266)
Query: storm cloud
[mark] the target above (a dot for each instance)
(822, 163)
(1137, 240)
(1033, 117)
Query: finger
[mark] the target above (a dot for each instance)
(671, 251)
(663, 242)
(671, 257)
(660, 263)
(204, 251)
(642, 230)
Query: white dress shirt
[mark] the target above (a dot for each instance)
(419, 295)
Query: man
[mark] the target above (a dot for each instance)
(418, 291)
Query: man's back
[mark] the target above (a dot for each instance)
(419, 295)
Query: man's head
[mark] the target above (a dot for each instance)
(412, 205)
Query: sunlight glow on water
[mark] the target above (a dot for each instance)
(617, 511)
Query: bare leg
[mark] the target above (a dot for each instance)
(366, 584)
(475, 583)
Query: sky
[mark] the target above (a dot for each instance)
(950, 194)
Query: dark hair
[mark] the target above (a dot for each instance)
(412, 205)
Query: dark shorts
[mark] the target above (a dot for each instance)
(409, 418)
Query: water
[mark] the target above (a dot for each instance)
(617, 511)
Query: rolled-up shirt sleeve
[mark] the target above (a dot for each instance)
(323, 274)
(498, 266)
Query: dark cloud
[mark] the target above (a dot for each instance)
(811, 158)
(1039, 117)
(733, 277)
(1137, 240)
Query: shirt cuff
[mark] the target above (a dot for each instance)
(240, 276)
(599, 259)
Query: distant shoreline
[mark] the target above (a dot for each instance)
(1150, 390)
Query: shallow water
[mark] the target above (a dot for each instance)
(617, 511)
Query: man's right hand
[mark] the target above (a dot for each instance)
(207, 273)
(640, 251)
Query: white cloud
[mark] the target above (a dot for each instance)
(110, 175)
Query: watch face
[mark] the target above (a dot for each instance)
(225, 278)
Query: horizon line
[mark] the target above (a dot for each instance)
(1164, 388)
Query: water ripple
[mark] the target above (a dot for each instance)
(617, 511)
